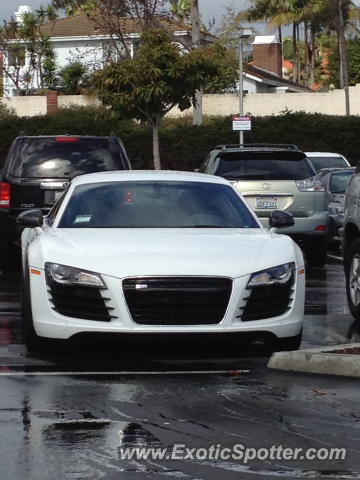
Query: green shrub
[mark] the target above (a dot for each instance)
(183, 146)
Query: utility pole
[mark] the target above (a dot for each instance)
(344, 75)
(245, 33)
(196, 43)
(241, 86)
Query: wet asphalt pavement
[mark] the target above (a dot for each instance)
(65, 414)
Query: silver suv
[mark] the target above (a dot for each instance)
(277, 177)
(351, 243)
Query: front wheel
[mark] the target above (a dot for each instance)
(352, 274)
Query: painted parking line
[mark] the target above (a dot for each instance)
(335, 257)
(124, 373)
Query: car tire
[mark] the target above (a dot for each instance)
(276, 344)
(31, 339)
(352, 267)
(316, 251)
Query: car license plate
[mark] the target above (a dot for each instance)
(266, 202)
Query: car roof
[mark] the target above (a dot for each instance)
(146, 175)
(66, 135)
(258, 147)
(323, 154)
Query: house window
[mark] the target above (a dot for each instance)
(16, 56)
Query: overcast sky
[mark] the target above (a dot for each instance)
(208, 8)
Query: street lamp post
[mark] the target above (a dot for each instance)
(245, 33)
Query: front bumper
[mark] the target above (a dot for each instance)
(49, 323)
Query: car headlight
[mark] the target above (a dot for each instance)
(65, 275)
(272, 276)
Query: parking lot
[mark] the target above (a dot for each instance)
(80, 404)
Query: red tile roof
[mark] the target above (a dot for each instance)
(82, 25)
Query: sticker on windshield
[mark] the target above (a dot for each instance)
(82, 219)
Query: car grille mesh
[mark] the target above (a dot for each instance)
(177, 300)
(268, 302)
(80, 302)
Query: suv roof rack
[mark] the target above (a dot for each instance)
(273, 146)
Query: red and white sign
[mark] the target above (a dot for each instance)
(241, 122)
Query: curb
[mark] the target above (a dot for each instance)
(319, 360)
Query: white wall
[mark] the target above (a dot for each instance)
(26, 106)
(258, 104)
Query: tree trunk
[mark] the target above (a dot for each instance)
(156, 150)
(294, 74)
(196, 43)
(281, 47)
(343, 58)
(312, 59)
(298, 54)
(306, 53)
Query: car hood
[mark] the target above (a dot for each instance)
(140, 252)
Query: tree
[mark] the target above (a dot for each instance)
(230, 28)
(28, 56)
(181, 9)
(72, 78)
(353, 56)
(159, 78)
(112, 17)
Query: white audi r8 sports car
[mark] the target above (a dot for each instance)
(146, 252)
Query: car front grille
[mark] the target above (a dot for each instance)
(177, 300)
(267, 302)
(80, 302)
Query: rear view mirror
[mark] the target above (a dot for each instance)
(280, 219)
(30, 218)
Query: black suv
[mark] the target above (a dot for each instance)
(38, 168)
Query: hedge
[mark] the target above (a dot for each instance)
(183, 146)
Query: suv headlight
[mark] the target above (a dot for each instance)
(65, 275)
(272, 276)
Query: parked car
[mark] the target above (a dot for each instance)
(273, 177)
(321, 160)
(335, 181)
(351, 243)
(38, 168)
(158, 252)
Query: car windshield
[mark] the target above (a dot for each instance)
(339, 181)
(327, 162)
(263, 166)
(154, 204)
(65, 157)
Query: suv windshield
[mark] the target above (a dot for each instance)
(339, 181)
(263, 166)
(156, 205)
(327, 162)
(65, 157)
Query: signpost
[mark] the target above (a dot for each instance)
(241, 123)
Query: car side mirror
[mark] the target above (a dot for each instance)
(30, 218)
(280, 219)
